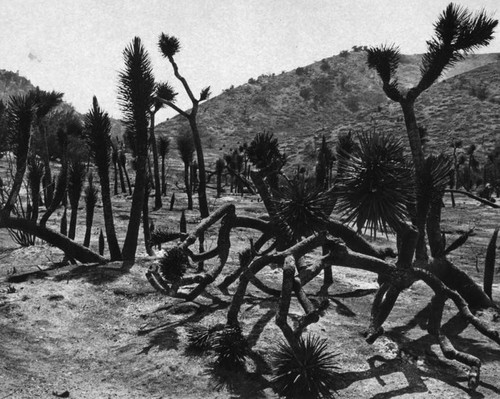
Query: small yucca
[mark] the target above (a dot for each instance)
(201, 338)
(307, 373)
(174, 264)
(231, 348)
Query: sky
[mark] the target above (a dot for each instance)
(76, 46)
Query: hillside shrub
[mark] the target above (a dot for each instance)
(480, 91)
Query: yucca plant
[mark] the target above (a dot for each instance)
(377, 184)
(136, 90)
(114, 158)
(303, 206)
(91, 196)
(174, 264)
(169, 46)
(166, 92)
(305, 372)
(98, 136)
(76, 178)
(231, 348)
(20, 114)
(201, 338)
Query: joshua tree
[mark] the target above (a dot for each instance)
(136, 99)
(98, 128)
(166, 92)
(324, 165)
(185, 146)
(21, 114)
(169, 46)
(163, 148)
(457, 33)
(91, 195)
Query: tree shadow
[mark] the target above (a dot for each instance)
(413, 374)
(240, 383)
(93, 274)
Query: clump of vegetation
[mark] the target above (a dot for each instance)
(307, 371)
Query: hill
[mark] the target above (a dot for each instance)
(12, 83)
(339, 94)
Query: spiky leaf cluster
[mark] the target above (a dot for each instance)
(201, 338)
(385, 60)
(169, 45)
(377, 184)
(98, 135)
(303, 207)
(264, 151)
(20, 115)
(457, 33)
(205, 93)
(174, 264)
(231, 348)
(306, 373)
(135, 93)
(163, 91)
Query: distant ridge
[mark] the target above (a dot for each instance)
(339, 94)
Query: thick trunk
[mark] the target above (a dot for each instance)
(202, 183)
(188, 187)
(72, 222)
(114, 248)
(415, 142)
(130, 245)
(145, 224)
(163, 177)
(88, 227)
(156, 172)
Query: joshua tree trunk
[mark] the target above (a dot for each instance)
(156, 172)
(187, 184)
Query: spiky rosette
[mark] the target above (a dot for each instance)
(303, 207)
(169, 45)
(377, 184)
(201, 338)
(308, 372)
(174, 264)
(231, 348)
(264, 151)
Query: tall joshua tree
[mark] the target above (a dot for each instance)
(457, 33)
(166, 92)
(46, 101)
(169, 46)
(186, 150)
(98, 128)
(136, 90)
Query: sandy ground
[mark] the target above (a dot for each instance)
(93, 332)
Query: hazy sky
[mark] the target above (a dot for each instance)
(75, 46)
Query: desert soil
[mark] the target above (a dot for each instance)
(83, 331)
